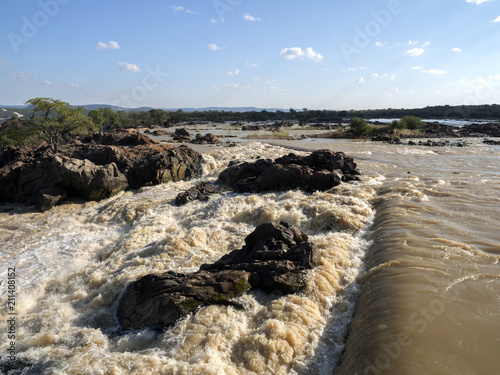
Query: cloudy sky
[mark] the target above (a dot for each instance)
(326, 54)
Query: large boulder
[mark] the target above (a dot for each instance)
(321, 170)
(45, 181)
(208, 138)
(182, 135)
(92, 168)
(119, 137)
(274, 259)
(146, 164)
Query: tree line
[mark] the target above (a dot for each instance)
(56, 122)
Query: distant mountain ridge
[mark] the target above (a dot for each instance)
(139, 109)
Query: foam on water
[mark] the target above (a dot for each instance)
(75, 261)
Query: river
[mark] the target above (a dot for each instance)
(409, 281)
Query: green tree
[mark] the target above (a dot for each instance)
(55, 121)
(360, 127)
(159, 117)
(104, 118)
(18, 133)
(412, 122)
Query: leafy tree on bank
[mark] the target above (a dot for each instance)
(412, 122)
(55, 121)
(15, 132)
(360, 127)
(104, 118)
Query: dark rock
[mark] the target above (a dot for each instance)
(48, 198)
(476, 130)
(91, 170)
(157, 301)
(119, 137)
(208, 138)
(88, 180)
(25, 182)
(182, 135)
(320, 170)
(199, 192)
(146, 164)
(274, 259)
(491, 142)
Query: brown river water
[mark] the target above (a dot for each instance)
(409, 281)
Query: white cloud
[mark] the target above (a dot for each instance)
(251, 65)
(363, 68)
(213, 47)
(109, 45)
(297, 52)
(392, 77)
(456, 49)
(231, 85)
(213, 20)
(234, 72)
(434, 71)
(495, 78)
(128, 67)
(496, 19)
(477, 1)
(360, 80)
(417, 67)
(180, 8)
(249, 17)
(349, 70)
(414, 52)
(380, 44)
(374, 75)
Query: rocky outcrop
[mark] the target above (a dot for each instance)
(145, 165)
(321, 170)
(274, 259)
(92, 169)
(119, 137)
(481, 130)
(208, 138)
(45, 181)
(182, 135)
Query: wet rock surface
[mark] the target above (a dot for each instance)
(321, 170)
(96, 168)
(274, 259)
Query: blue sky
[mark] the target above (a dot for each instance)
(273, 54)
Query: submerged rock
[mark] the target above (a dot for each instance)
(200, 192)
(274, 259)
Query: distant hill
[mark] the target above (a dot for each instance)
(117, 108)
